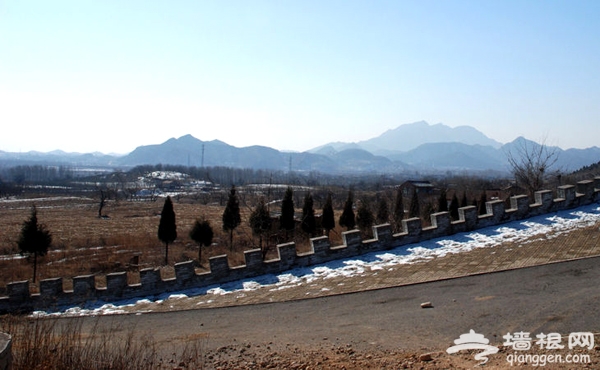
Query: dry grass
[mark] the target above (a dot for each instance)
(61, 344)
(127, 240)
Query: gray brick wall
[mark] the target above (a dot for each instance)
(53, 295)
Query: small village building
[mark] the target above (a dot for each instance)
(422, 187)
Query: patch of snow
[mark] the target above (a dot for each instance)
(546, 226)
(217, 291)
(45, 199)
(167, 175)
(177, 296)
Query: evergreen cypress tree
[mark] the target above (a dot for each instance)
(364, 217)
(328, 221)
(260, 222)
(464, 202)
(398, 209)
(167, 228)
(202, 234)
(415, 208)
(482, 205)
(34, 240)
(309, 224)
(347, 218)
(443, 201)
(383, 212)
(428, 210)
(286, 220)
(231, 215)
(454, 207)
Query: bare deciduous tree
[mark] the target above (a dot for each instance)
(104, 195)
(532, 163)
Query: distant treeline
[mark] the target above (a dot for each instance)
(35, 174)
(51, 175)
(14, 178)
(228, 176)
(587, 171)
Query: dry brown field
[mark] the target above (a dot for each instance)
(126, 240)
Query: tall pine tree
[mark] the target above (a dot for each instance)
(286, 220)
(398, 210)
(454, 207)
(482, 204)
(364, 217)
(347, 219)
(309, 224)
(34, 240)
(383, 211)
(260, 223)
(464, 202)
(167, 228)
(442, 201)
(231, 215)
(328, 221)
(202, 234)
(415, 207)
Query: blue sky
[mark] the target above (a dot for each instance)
(110, 75)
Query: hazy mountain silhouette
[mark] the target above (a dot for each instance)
(189, 151)
(426, 148)
(454, 156)
(410, 136)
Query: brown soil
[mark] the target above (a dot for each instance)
(126, 240)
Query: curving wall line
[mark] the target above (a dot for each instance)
(53, 295)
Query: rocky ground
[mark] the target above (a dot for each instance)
(346, 357)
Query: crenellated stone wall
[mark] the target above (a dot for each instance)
(52, 294)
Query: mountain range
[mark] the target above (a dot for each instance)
(407, 137)
(416, 147)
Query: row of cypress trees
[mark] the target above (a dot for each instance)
(261, 222)
(35, 239)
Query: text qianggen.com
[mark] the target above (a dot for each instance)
(516, 358)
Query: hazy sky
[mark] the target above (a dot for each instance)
(110, 75)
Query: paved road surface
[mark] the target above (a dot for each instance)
(562, 297)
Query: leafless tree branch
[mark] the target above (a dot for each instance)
(532, 164)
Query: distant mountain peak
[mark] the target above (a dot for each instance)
(440, 148)
(410, 136)
(188, 137)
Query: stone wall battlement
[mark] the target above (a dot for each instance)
(52, 294)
